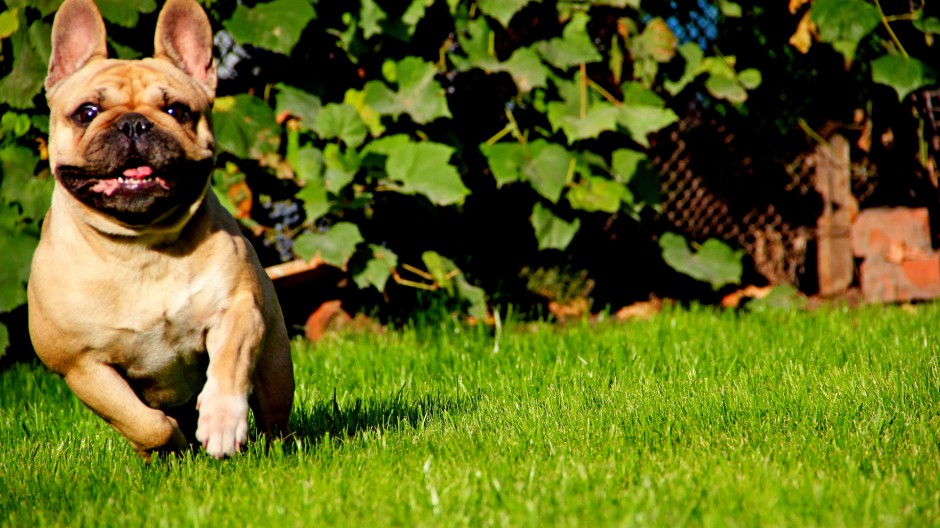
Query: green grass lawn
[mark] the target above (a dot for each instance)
(827, 418)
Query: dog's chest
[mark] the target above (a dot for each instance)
(158, 336)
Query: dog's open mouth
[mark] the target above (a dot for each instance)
(133, 179)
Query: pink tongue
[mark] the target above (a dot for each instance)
(139, 173)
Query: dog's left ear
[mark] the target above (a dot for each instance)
(184, 38)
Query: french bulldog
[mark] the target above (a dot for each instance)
(143, 293)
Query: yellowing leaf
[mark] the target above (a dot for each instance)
(802, 38)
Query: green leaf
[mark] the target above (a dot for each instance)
(370, 18)
(369, 115)
(624, 163)
(275, 25)
(635, 4)
(224, 200)
(343, 122)
(316, 202)
(419, 95)
(641, 121)
(30, 52)
(574, 47)
(475, 42)
(750, 78)
(450, 279)
(378, 268)
(929, 25)
(245, 126)
(341, 167)
(298, 103)
(904, 75)
(124, 13)
(526, 70)
(403, 27)
(4, 339)
(599, 117)
(425, 168)
(548, 169)
(474, 296)
(308, 164)
(335, 247)
(724, 83)
(726, 88)
(415, 13)
(506, 161)
(441, 269)
(524, 65)
(20, 186)
(16, 124)
(501, 10)
(550, 231)
(783, 297)
(598, 194)
(45, 7)
(715, 262)
(843, 23)
(645, 185)
(385, 146)
(9, 24)
(730, 9)
(693, 55)
(17, 246)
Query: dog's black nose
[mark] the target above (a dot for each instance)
(134, 125)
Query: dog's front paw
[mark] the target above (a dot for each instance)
(223, 423)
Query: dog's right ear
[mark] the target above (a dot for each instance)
(78, 36)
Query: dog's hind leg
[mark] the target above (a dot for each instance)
(273, 385)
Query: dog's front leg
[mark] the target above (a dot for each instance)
(223, 403)
(108, 394)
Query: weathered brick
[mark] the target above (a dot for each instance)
(891, 231)
(915, 278)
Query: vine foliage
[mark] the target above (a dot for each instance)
(368, 109)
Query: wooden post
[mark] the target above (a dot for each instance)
(835, 261)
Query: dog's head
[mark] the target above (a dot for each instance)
(132, 140)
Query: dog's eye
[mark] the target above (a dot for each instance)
(179, 111)
(87, 113)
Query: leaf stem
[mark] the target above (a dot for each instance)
(419, 272)
(811, 133)
(887, 25)
(604, 93)
(413, 284)
(517, 132)
(500, 135)
(583, 87)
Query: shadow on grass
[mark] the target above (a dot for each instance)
(328, 420)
